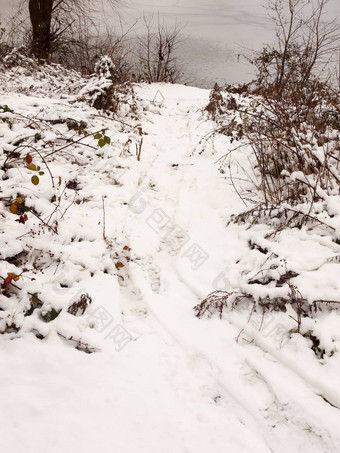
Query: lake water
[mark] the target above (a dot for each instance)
(216, 33)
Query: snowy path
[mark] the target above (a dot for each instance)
(256, 385)
(183, 385)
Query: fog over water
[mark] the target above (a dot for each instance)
(215, 32)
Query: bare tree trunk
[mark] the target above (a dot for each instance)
(41, 17)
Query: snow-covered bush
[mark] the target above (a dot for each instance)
(288, 176)
(18, 57)
(51, 140)
(103, 94)
(105, 67)
(216, 103)
(285, 168)
(295, 142)
(304, 47)
(23, 74)
(36, 194)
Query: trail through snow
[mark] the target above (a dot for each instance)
(183, 384)
(187, 197)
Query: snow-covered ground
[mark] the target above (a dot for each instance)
(147, 241)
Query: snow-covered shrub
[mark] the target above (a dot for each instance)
(36, 200)
(292, 119)
(216, 103)
(296, 144)
(50, 146)
(117, 98)
(285, 167)
(23, 74)
(104, 67)
(18, 57)
(304, 47)
(103, 94)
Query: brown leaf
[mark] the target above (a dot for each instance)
(13, 208)
(35, 180)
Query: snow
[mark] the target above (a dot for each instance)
(147, 241)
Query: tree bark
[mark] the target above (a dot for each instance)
(41, 18)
